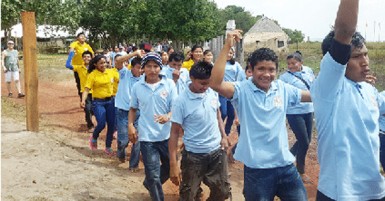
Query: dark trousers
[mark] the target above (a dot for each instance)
(227, 110)
(211, 168)
(302, 125)
(77, 80)
(382, 150)
(88, 111)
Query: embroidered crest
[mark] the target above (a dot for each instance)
(277, 101)
(163, 94)
(214, 103)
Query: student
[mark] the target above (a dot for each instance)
(10, 64)
(153, 96)
(164, 56)
(175, 71)
(300, 116)
(196, 55)
(233, 73)
(248, 70)
(82, 71)
(100, 80)
(347, 110)
(196, 110)
(382, 137)
(261, 104)
(127, 79)
(208, 56)
(76, 49)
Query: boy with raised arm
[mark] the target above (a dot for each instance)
(204, 158)
(347, 110)
(261, 104)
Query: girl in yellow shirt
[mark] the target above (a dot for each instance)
(101, 81)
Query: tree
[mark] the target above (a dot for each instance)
(295, 36)
(244, 20)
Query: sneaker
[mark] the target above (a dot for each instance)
(20, 95)
(133, 169)
(93, 143)
(10, 94)
(109, 151)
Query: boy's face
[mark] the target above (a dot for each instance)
(175, 64)
(152, 69)
(198, 85)
(358, 64)
(264, 73)
(86, 59)
(136, 70)
(81, 38)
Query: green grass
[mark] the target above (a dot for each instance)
(312, 56)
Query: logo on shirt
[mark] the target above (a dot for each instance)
(373, 101)
(163, 94)
(278, 101)
(112, 80)
(214, 103)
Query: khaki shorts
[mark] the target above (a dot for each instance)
(9, 75)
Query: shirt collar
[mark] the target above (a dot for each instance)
(273, 86)
(192, 96)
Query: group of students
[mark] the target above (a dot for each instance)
(174, 101)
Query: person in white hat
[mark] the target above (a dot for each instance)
(10, 64)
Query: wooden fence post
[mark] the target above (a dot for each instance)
(30, 69)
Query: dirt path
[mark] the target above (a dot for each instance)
(56, 163)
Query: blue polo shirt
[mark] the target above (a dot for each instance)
(347, 116)
(263, 142)
(382, 117)
(126, 82)
(308, 76)
(234, 72)
(153, 102)
(184, 77)
(197, 114)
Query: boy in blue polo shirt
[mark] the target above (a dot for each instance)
(153, 95)
(122, 103)
(347, 110)
(261, 104)
(204, 158)
(175, 71)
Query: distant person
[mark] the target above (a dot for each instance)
(175, 71)
(153, 96)
(100, 80)
(10, 64)
(300, 116)
(195, 55)
(248, 70)
(196, 110)
(127, 79)
(261, 104)
(77, 48)
(82, 71)
(164, 57)
(347, 111)
(208, 56)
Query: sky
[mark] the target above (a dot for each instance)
(314, 18)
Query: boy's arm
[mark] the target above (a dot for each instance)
(217, 83)
(126, 57)
(132, 135)
(69, 60)
(3, 54)
(346, 21)
(225, 141)
(305, 96)
(172, 149)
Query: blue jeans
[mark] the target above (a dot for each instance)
(104, 112)
(122, 125)
(382, 150)
(227, 110)
(156, 167)
(264, 184)
(302, 126)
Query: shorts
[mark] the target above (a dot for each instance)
(9, 75)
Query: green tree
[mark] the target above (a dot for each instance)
(244, 20)
(295, 36)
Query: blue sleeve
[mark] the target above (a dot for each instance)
(69, 60)
(241, 73)
(177, 112)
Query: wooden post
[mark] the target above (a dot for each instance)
(30, 70)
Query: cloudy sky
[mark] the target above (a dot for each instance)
(315, 17)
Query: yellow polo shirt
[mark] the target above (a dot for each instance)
(83, 73)
(101, 83)
(188, 64)
(79, 49)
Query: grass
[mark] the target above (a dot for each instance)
(312, 56)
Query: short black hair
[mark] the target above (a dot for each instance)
(358, 41)
(263, 54)
(135, 61)
(201, 70)
(176, 56)
(297, 55)
(87, 52)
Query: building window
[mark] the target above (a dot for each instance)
(281, 43)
